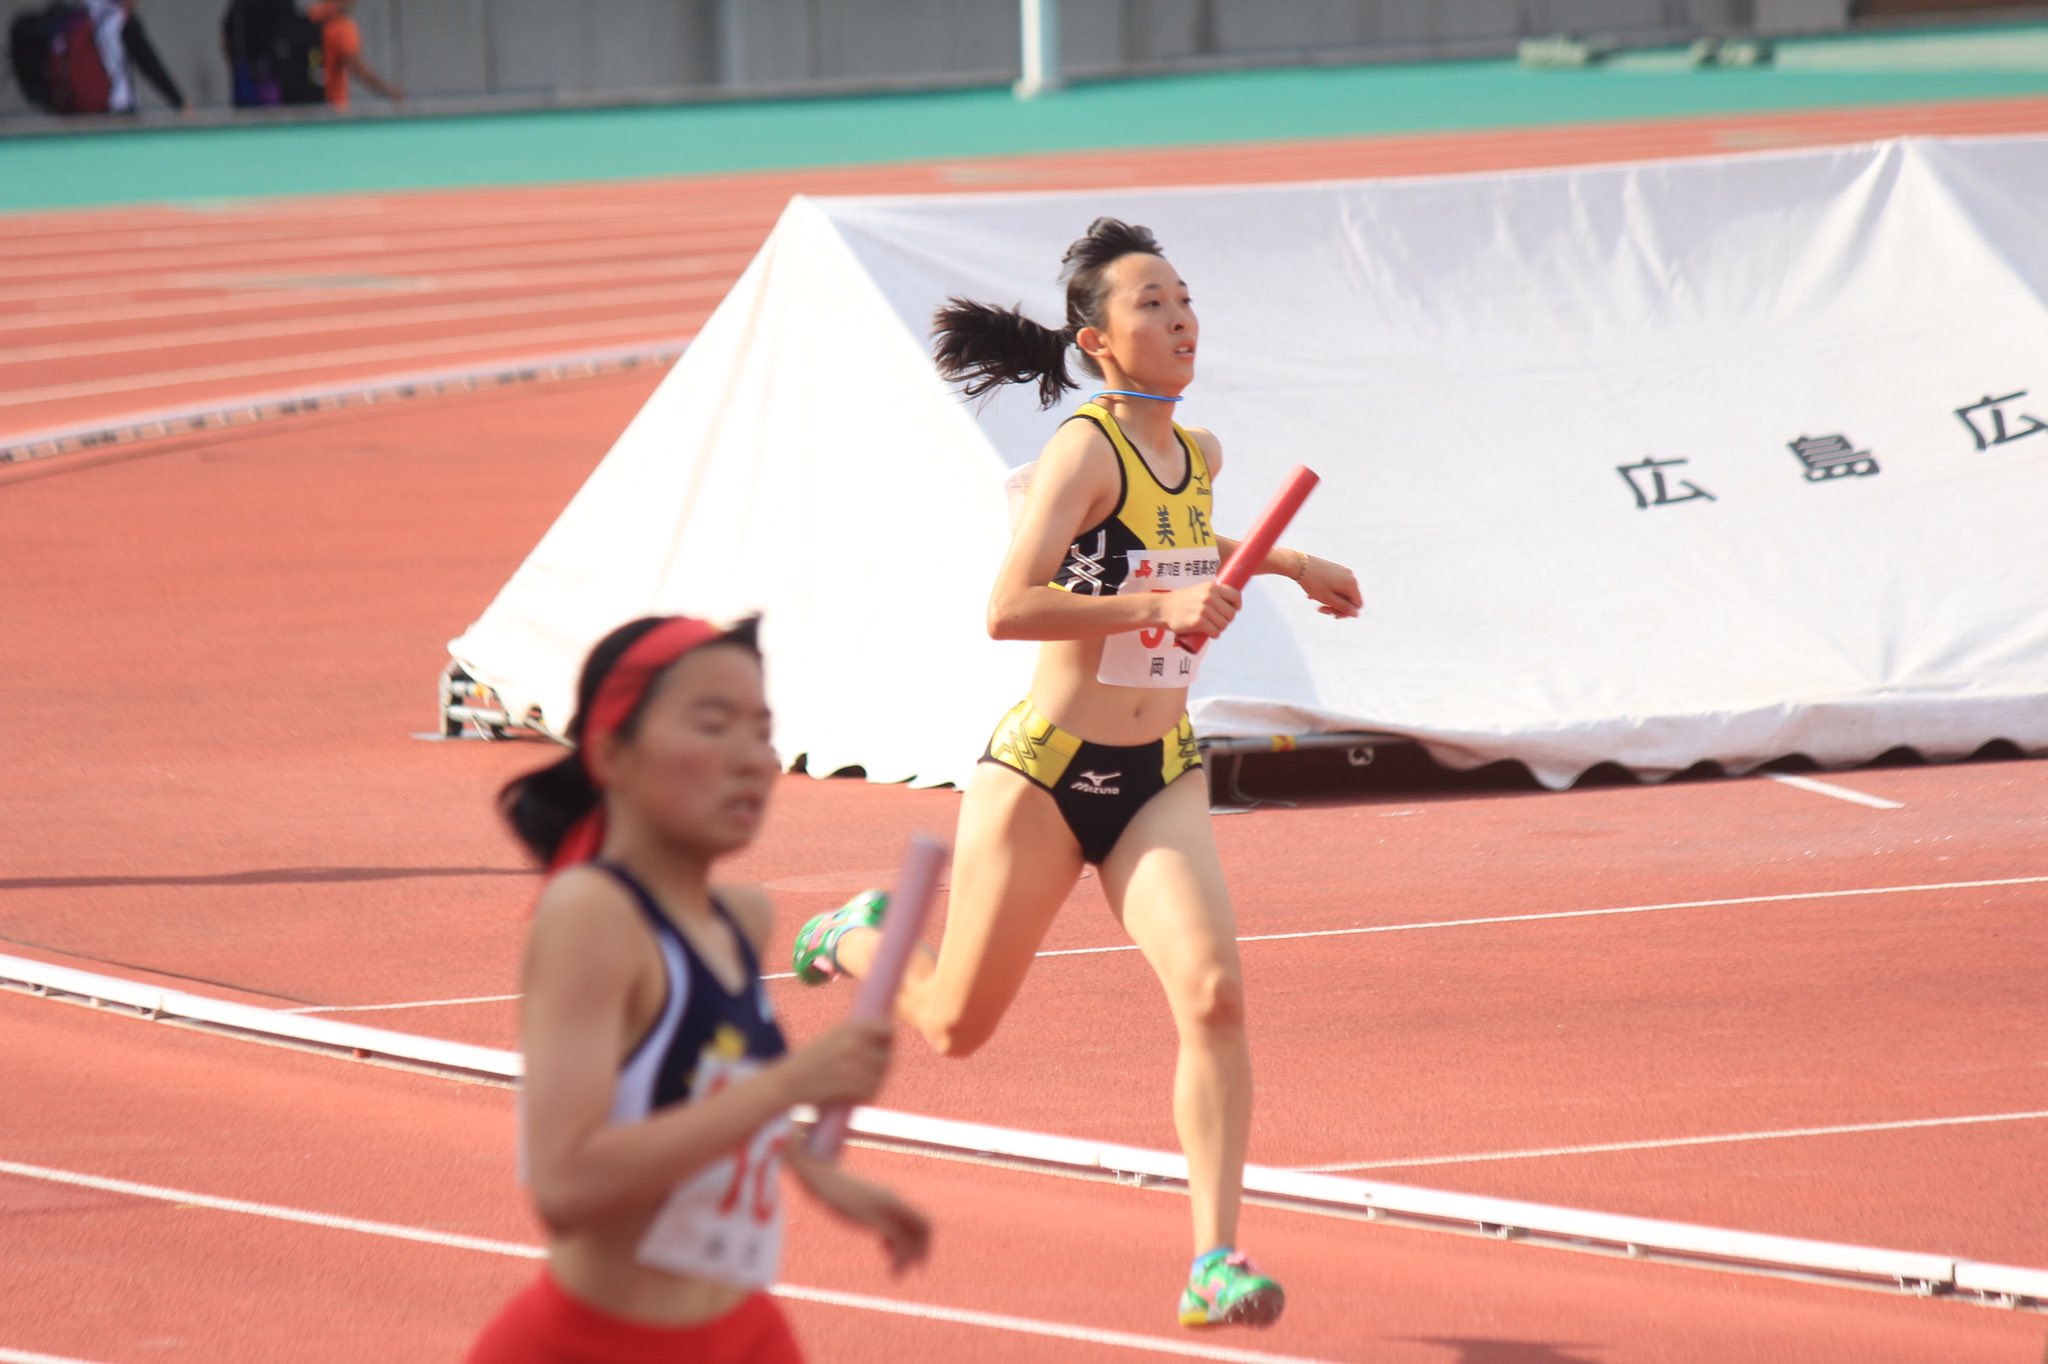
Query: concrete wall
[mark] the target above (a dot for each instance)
(1801, 16)
(543, 50)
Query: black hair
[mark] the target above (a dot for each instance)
(544, 804)
(988, 347)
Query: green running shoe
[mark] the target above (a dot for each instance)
(1225, 1290)
(812, 957)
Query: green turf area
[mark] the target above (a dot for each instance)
(187, 164)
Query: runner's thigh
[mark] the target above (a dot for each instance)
(1014, 863)
(1165, 882)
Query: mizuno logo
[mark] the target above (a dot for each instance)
(1097, 783)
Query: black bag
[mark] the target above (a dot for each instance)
(274, 52)
(301, 62)
(56, 59)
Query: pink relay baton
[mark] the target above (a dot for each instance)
(1265, 533)
(901, 925)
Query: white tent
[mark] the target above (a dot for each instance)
(1709, 460)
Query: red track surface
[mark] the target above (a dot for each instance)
(215, 648)
(109, 312)
(98, 1275)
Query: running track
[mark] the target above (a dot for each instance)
(112, 312)
(216, 645)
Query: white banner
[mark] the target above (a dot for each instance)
(1714, 460)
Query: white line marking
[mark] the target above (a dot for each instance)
(25, 1357)
(409, 1004)
(155, 1002)
(1638, 909)
(621, 331)
(1570, 914)
(1821, 788)
(1781, 1134)
(358, 391)
(673, 295)
(281, 297)
(119, 240)
(155, 251)
(1449, 923)
(517, 1250)
(275, 1211)
(338, 255)
(1126, 1340)
(48, 293)
(1317, 1194)
(1559, 914)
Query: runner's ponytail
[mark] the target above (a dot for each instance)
(984, 347)
(987, 347)
(544, 804)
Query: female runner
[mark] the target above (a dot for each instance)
(655, 1105)
(1111, 556)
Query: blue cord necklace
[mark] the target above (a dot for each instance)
(1130, 393)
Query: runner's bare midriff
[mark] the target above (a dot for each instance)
(1065, 689)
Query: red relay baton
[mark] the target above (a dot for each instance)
(1265, 533)
(909, 903)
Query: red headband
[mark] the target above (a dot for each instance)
(617, 697)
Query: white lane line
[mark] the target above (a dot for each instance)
(1564, 914)
(394, 316)
(408, 1004)
(390, 267)
(1624, 909)
(1125, 1340)
(336, 254)
(830, 1297)
(276, 1212)
(484, 232)
(364, 390)
(1781, 1134)
(153, 1002)
(26, 1357)
(1315, 1194)
(1821, 788)
(621, 331)
(278, 295)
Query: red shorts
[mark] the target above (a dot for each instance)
(544, 1325)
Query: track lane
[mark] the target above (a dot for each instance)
(117, 1277)
(138, 251)
(265, 805)
(270, 866)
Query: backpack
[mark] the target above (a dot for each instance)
(55, 54)
(274, 52)
(301, 59)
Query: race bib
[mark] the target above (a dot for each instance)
(1150, 658)
(725, 1223)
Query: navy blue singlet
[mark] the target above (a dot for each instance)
(699, 1017)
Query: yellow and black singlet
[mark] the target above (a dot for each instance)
(1157, 538)
(1148, 516)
